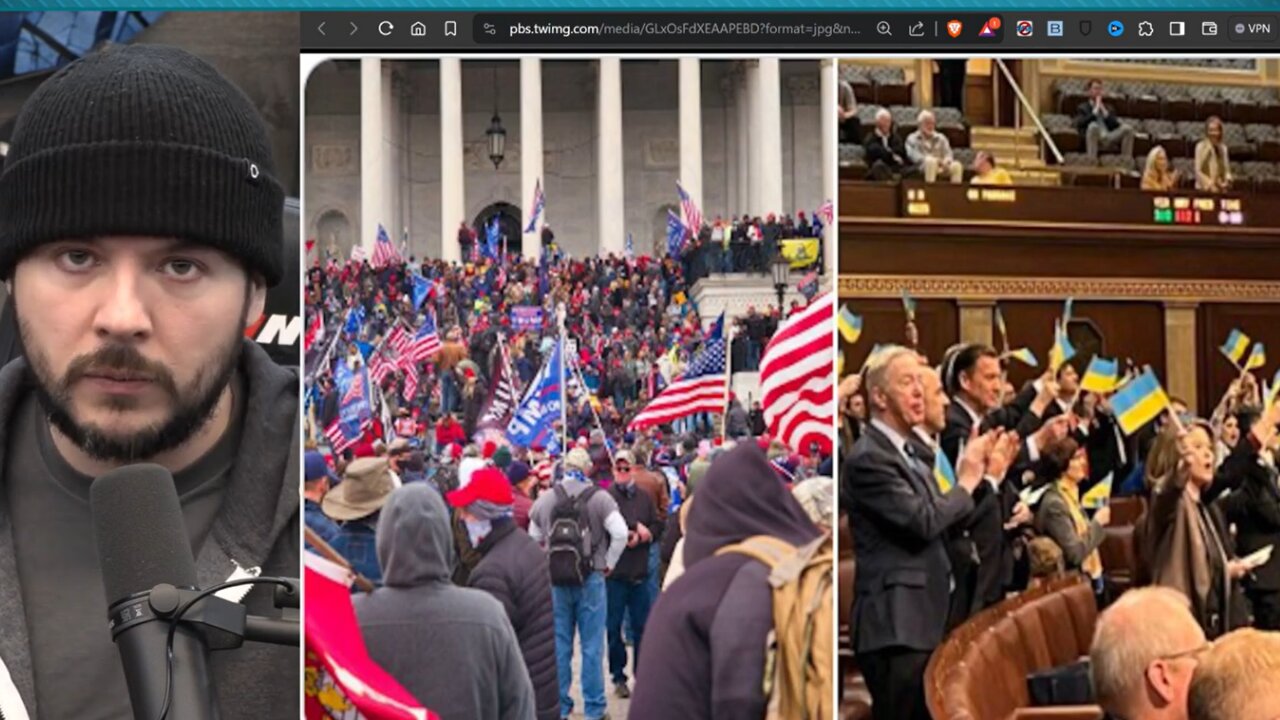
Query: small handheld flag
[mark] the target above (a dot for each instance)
(1024, 356)
(1066, 311)
(539, 201)
(1235, 347)
(1101, 376)
(943, 473)
(909, 305)
(676, 233)
(850, 325)
(1004, 330)
(1062, 350)
(1099, 495)
(1257, 358)
(1139, 402)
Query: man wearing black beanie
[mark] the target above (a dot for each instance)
(140, 226)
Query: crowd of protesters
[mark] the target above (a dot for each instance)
(463, 532)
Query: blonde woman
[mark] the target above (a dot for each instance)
(1213, 163)
(1157, 175)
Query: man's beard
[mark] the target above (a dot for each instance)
(191, 406)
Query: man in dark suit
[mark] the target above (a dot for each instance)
(899, 517)
(886, 151)
(972, 375)
(1098, 125)
(1254, 508)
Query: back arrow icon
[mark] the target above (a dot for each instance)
(320, 29)
(353, 30)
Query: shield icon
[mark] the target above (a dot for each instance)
(954, 27)
(1086, 26)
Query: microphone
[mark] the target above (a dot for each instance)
(142, 542)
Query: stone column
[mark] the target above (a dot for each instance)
(977, 321)
(531, 149)
(730, 145)
(1180, 351)
(753, 149)
(769, 146)
(372, 164)
(610, 200)
(742, 138)
(691, 129)
(829, 91)
(453, 199)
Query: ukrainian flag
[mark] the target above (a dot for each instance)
(909, 305)
(1235, 347)
(1101, 376)
(943, 473)
(1099, 495)
(1257, 358)
(1139, 402)
(1004, 330)
(1025, 356)
(850, 325)
(1066, 311)
(1062, 350)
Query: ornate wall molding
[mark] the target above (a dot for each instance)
(1051, 288)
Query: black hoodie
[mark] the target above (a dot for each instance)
(704, 644)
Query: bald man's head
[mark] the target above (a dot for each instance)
(1239, 679)
(1144, 653)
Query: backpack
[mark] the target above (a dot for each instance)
(798, 658)
(569, 542)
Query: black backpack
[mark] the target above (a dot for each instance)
(569, 544)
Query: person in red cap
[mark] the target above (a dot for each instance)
(514, 570)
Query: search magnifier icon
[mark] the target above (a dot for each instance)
(882, 27)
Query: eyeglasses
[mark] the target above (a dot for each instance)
(622, 467)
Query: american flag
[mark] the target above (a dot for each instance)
(410, 378)
(380, 368)
(796, 380)
(338, 439)
(398, 340)
(825, 211)
(539, 201)
(384, 253)
(357, 253)
(426, 343)
(700, 389)
(692, 215)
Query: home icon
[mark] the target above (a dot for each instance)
(418, 30)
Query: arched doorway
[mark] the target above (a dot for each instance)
(333, 230)
(659, 244)
(508, 225)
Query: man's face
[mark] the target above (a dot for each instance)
(935, 400)
(903, 396)
(131, 340)
(1068, 380)
(927, 124)
(983, 383)
(884, 122)
(1095, 91)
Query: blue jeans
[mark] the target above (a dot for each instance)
(655, 563)
(625, 597)
(448, 392)
(583, 607)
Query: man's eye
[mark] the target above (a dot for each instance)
(76, 259)
(181, 269)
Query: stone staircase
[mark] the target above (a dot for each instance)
(1018, 150)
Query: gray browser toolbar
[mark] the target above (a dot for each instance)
(796, 33)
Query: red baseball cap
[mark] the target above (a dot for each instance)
(488, 483)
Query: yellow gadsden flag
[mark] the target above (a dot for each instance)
(802, 252)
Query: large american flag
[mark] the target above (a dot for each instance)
(426, 343)
(796, 382)
(399, 340)
(692, 215)
(384, 253)
(380, 367)
(700, 389)
(339, 440)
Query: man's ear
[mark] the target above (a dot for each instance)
(256, 300)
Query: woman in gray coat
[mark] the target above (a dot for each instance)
(1061, 516)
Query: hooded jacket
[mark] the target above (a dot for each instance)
(256, 526)
(452, 648)
(704, 644)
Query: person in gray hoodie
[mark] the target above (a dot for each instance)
(452, 648)
(140, 227)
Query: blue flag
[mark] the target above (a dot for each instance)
(354, 411)
(421, 289)
(535, 416)
(631, 247)
(491, 239)
(716, 331)
(342, 377)
(675, 234)
(355, 320)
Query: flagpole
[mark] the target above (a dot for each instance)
(564, 391)
(728, 379)
(582, 383)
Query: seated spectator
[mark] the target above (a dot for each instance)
(1061, 517)
(886, 153)
(850, 125)
(931, 150)
(985, 171)
(1213, 163)
(1237, 679)
(1157, 175)
(1144, 654)
(1098, 125)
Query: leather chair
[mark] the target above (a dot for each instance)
(979, 672)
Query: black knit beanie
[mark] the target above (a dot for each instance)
(142, 140)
